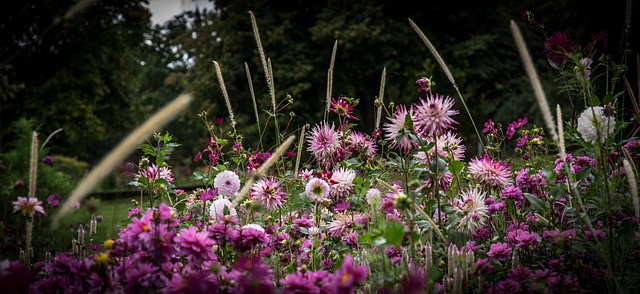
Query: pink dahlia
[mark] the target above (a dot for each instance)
(449, 145)
(268, 193)
(342, 107)
(324, 143)
(227, 183)
(153, 173)
(317, 190)
(28, 206)
(473, 210)
(433, 115)
(491, 174)
(397, 126)
(341, 223)
(342, 182)
(358, 144)
(195, 244)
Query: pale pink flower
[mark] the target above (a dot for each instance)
(317, 190)
(342, 221)
(324, 143)
(218, 206)
(433, 115)
(153, 173)
(28, 206)
(594, 125)
(473, 210)
(396, 126)
(268, 193)
(341, 182)
(227, 183)
(489, 173)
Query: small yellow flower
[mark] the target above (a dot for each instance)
(108, 245)
(102, 259)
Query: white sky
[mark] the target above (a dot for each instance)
(163, 10)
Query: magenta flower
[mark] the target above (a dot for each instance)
(433, 115)
(195, 244)
(153, 173)
(299, 283)
(348, 276)
(342, 107)
(489, 173)
(227, 183)
(526, 239)
(358, 144)
(424, 84)
(54, 200)
(268, 193)
(341, 182)
(397, 126)
(499, 251)
(30, 206)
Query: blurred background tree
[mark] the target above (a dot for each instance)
(100, 71)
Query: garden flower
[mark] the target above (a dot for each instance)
(357, 144)
(433, 115)
(218, 206)
(499, 251)
(227, 183)
(299, 283)
(398, 126)
(374, 198)
(348, 276)
(28, 206)
(324, 143)
(474, 211)
(195, 244)
(342, 107)
(317, 190)
(154, 172)
(558, 47)
(341, 182)
(594, 125)
(54, 200)
(583, 71)
(424, 84)
(489, 173)
(268, 194)
(341, 222)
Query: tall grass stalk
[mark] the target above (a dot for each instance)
(33, 178)
(330, 78)
(447, 72)
(253, 99)
(383, 79)
(535, 81)
(633, 186)
(120, 152)
(300, 144)
(227, 102)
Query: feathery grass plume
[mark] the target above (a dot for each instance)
(300, 144)
(561, 146)
(533, 78)
(33, 165)
(267, 71)
(49, 137)
(330, 78)
(262, 170)
(120, 152)
(381, 97)
(633, 185)
(447, 72)
(253, 99)
(78, 7)
(223, 88)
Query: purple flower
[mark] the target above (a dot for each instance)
(526, 239)
(209, 194)
(47, 160)
(252, 276)
(508, 286)
(250, 237)
(424, 84)
(348, 276)
(558, 47)
(499, 251)
(317, 190)
(267, 193)
(299, 283)
(195, 244)
(54, 200)
(483, 267)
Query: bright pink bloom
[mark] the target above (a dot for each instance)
(268, 193)
(433, 115)
(28, 206)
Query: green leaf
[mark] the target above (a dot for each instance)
(394, 234)
(595, 100)
(455, 167)
(536, 203)
(607, 98)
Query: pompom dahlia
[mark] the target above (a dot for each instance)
(594, 125)
(227, 183)
(195, 244)
(433, 115)
(268, 193)
(489, 173)
(396, 126)
(218, 206)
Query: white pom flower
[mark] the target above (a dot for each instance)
(593, 121)
(217, 208)
(227, 183)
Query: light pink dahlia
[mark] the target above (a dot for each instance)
(28, 206)
(268, 193)
(153, 173)
(227, 183)
(449, 146)
(396, 126)
(324, 143)
(489, 173)
(341, 182)
(341, 223)
(473, 210)
(433, 115)
(317, 190)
